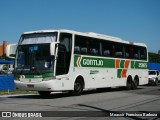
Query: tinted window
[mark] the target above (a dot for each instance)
(86, 46)
(107, 48)
(99, 47)
(119, 50)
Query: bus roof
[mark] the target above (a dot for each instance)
(88, 34)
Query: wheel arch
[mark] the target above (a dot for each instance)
(129, 78)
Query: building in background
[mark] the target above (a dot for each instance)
(3, 48)
(4, 64)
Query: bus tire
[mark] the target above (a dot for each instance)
(44, 93)
(129, 84)
(78, 87)
(135, 83)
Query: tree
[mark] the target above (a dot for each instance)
(154, 57)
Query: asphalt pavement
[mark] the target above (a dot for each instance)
(115, 103)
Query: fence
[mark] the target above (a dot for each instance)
(153, 66)
(7, 82)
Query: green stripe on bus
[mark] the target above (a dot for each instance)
(85, 61)
(119, 71)
(93, 62)
(139, 65)
(45, 75)
(122, 63)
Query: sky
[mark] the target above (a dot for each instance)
(131, 20)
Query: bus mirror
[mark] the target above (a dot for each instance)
(53, 48)
(11, 50)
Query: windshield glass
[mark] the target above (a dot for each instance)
(152, 72)
(38, 38)
(34, 59)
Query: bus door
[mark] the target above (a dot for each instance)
(64, 54)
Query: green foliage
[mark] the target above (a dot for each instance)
(2, 57)
(154, 57)
(5, 67)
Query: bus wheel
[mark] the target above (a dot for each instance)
(129, 85)
(44, 93)
(78, 87)
(135, 83)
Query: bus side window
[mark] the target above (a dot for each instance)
(127, 51)
(127, 55)
(94, 46)
(119, 54)
(77, 50)
(113, 51)
(94, 51)
(82, 45)
(107, 49)
(143, 55)
(84, 51)
(131, 53)
(136, 53)
(119, 51)
(136, 56)
(106, 53)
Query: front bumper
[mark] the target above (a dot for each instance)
(38, 86)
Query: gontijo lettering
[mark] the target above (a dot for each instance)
(93, 62)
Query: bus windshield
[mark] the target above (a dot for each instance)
(34, 59)
(38, 38)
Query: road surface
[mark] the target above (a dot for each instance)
(92, 104)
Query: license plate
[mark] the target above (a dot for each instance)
(30, 86)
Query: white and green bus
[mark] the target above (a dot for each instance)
(63, 60)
